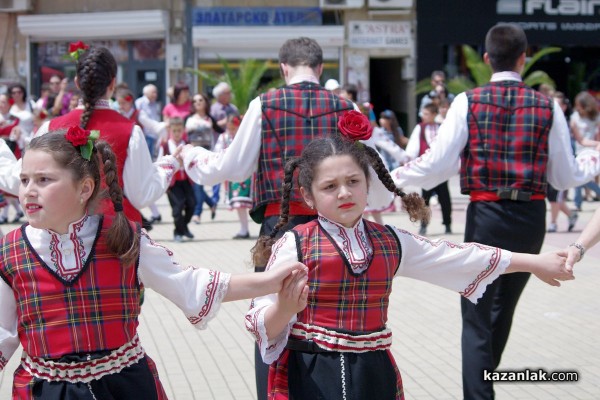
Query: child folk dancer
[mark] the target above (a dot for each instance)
(180, 193)
(420, 139)
(328, 339)
(71, 280)
(239, 194)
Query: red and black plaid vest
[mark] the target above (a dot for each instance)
(96, 311)
(115, 129)
(292, 116)
(508, 126)
(338, 298)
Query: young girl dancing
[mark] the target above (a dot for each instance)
(71, 281)
(327, 338)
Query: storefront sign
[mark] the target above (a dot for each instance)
(256, 16)
(380, 34)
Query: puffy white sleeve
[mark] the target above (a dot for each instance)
(144, 182)
(466, 268)
(10, 169)
(198, 292)
(442, 160)
(284, 252)
(238, 162)
(412, 148)
(9, 340)
(565, 171)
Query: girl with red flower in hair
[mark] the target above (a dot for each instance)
(71, 281)
(143, 181)
(325, 335)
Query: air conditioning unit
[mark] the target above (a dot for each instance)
(8, 6)
(391, 3)
(340, 4)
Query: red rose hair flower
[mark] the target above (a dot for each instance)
(76, 48)
(355, 125)
(83, 139)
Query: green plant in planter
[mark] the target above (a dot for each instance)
(244, 81)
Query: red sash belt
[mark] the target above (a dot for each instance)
(515, 195)
(296, 208)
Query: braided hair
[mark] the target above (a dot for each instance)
(121, 238)
(96, 69)
(307, 163)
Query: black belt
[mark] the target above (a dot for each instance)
(514, 195)
(305, 346)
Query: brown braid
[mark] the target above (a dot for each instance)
(261, 252)
(412, 203)
(96, 68)
(121, 238)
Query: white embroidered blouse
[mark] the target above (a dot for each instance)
(67, 253)
(466, 268)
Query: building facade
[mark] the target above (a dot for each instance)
(369, 43)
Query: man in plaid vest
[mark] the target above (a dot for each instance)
(276, 127)
(511, 141)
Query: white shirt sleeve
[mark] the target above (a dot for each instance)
(9, 339)
(442, 160)
(10, 168)
(145, 182)
(235, 164)
(384, 143)
(564, 171)
(284, 251)
(466, 268)
(153, 128)
(413, 146)
(198, 292)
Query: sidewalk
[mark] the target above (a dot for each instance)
(554, 328)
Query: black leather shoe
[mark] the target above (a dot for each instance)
(188, 234)
(240, 236)
(147, 225)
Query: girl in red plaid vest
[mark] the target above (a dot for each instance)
(72, 281)
(325, 335)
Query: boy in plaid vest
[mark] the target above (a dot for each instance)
(511, 140)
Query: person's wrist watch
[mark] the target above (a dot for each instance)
(580, 247)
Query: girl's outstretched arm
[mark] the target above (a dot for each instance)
(588, 238)
(246, 286)
(549, 267)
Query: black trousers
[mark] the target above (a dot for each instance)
(182, 200)
(444, 198)
(511, 225)
(261, 370)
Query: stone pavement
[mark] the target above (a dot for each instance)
(554, 329)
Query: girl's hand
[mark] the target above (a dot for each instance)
(277, 277)
(551, 268)
(184, 150)
(292, 297)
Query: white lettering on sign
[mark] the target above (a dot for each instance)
(381, 34)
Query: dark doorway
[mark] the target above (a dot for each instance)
(385, 82)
